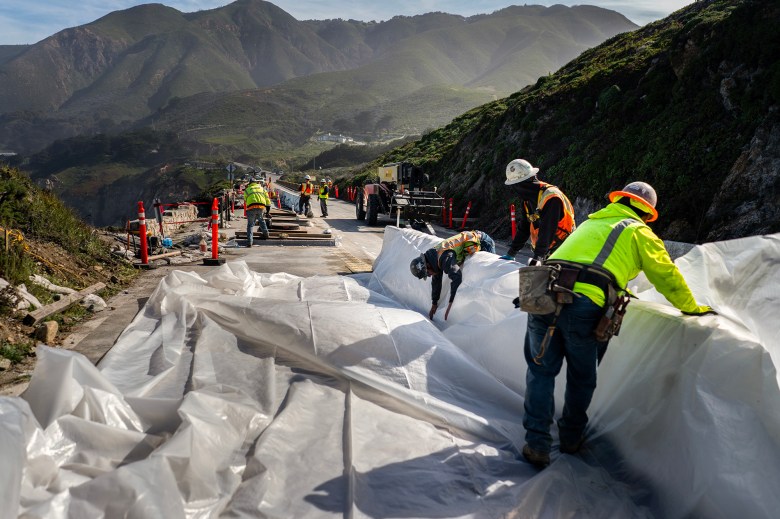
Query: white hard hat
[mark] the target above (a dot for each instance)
(519, 170)
(307, 177)
(641, 192)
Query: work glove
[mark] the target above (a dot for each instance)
(434, 306)
(702, 310)
(516, 302)
(535, 261)
(507, 257)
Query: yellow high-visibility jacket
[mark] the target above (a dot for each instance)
(637, 249)
(254, 194)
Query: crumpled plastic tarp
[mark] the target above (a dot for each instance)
(240, 394)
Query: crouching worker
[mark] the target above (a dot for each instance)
(447, 258)
(612, 247)
(257, 201)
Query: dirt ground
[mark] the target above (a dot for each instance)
(19, 340)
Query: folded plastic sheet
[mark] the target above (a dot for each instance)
(239, 394)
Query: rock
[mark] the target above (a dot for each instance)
(5, 364)
(93, 303)
(47, 332)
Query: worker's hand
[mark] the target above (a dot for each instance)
(507, 257)
(434, 306)
(516, 302)
(702, 310)
(447, 313)
(535, 261)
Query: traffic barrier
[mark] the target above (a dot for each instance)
(466, 216)
(336, 190)
(214, 259)
(514, 222)
(142, 234)
(450, 226)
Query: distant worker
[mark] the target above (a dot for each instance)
(323, 196)
(257, 201)
(306, 189)
(547, 216)
(447, 258)
(609, 249)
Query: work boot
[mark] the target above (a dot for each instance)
(571, 448)
(265, 236)
(536, 458)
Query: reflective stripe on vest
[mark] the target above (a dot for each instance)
(463, 244)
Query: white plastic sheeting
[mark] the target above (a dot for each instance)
(240, 394)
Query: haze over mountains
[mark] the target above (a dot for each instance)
(142, 65)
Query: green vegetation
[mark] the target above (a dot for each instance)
(35, 224)
(674, 103)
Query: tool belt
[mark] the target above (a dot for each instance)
(614, 303)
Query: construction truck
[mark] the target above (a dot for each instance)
(399, 192)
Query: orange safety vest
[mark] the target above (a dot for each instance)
(565, 225)
(464, 244)
(307, 188)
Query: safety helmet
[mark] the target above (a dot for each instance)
(307, 177)
(419, 267)
(323, 181)
(519, 170)
(640, 192)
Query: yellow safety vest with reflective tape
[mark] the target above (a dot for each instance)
(464, 244)
(636, 249)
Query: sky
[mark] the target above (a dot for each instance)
(29, 21)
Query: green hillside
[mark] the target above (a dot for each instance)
(688, 104)
(145, 64)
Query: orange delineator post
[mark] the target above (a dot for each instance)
(514, 222)
(214, 229)
(142, 234)
(466, 216)
(214, 259)
(450, 226)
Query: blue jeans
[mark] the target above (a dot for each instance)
(252, 216)
(573, 340)
(487, 244)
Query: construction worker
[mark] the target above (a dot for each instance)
(547, 216)
(306, 189)
(606, 252)
(447, 258)
(257, 201)
(323, 196)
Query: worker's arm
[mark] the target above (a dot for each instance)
(551, 214)
(664, 274)
(523, 232)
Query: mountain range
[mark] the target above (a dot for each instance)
(259, 75)
(689, 104)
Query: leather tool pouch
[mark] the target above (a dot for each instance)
(536, 295)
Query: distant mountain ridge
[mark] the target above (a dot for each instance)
(129, 64)
(690, 104)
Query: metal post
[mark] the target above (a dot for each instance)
(450, 226)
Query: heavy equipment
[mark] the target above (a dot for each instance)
(400, 191)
